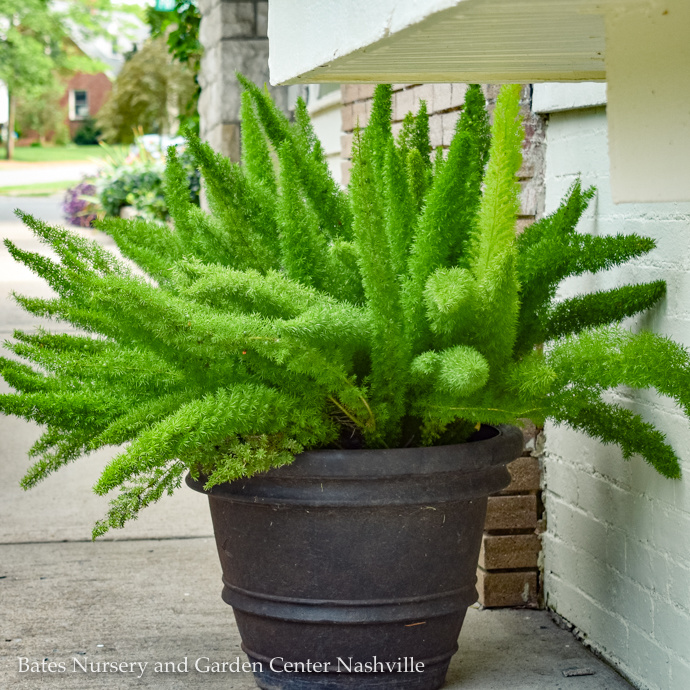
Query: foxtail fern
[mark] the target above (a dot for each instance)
(297, 315)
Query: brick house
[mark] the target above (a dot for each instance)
(83, 97)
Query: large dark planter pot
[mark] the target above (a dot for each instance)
(354, 569)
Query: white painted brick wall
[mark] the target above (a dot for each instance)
(617, 546)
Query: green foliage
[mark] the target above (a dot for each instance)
(138, 184)
(88, 133)
(36, 44)
(444, 226)
(39, 109)
(24, 60)
(327, 200)
(297, 315)
(37, 51)
(148, 88)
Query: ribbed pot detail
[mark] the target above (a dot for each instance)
(354, 569)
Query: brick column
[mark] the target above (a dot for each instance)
(233, 35)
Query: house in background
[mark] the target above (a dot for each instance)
(85, 93)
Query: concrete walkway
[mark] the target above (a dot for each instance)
(152, 592)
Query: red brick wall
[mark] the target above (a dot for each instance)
(98, 87)
(444, 103)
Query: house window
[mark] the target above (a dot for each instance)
(325, 89)
(78, 105)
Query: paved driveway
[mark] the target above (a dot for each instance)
(48, 208)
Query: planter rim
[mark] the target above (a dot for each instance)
(376, 476)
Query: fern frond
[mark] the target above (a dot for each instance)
(551, 250)
(604, 358)
(256, 156)
(303, 246)
(272, 294)
(234, 410)
(142, 492)
(75, 252)
(66, 408)
(451, 204)
(495, 231)
(150, 245)
(420, 134)
(59, 278)
(325, 195)
(400, 212)
(600, 308)
(24, 378)
(390, 350)
(141, 416)
(614, 424)
(239, 244)
(459, 370)
(65, 449)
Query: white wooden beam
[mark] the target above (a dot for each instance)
(648, 70)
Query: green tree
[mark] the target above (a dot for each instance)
(40, 110)
(26, 46)
(35, 45)
(181, 30)
(150, 92)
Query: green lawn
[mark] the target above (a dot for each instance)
(41, 189)
(38, 154)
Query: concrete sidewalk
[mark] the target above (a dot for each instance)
(13, 174)
(152, 592)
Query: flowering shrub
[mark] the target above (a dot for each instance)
(135, 181)
(78, 206)
(138, 184)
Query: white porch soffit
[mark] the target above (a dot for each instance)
(412, 41)
(640, 47)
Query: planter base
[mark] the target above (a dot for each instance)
(431, 677)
